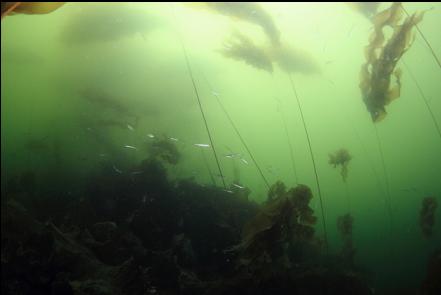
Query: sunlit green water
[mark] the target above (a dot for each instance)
(42, 80)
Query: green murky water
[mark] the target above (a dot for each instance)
(91, 86)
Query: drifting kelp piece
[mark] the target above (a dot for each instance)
(10, 8)
(381, 59)
(427, 216)
(165, 150)
(249, 12)
(104, 23)
(294, 60)
(344, 225)
(285, 219)
(368, 9)
(340, 158)
(240, 47)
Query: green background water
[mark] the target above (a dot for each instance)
(40, 94)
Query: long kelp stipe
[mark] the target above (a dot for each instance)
(190, 72)
(288, 138)
(243, 141)
(425, 40)
(291, 150)
(388, 201)
(313, 162)
(230, 120)
(424, 98)
(207, 165)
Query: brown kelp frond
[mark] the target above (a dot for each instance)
(240, 47)
(427, 215)
(345, 226)
(105, 23)
(249, 12)
(294, 60)
(368, 9)
(341, 158)
(284, 219)
(381, 58)
(29, 7)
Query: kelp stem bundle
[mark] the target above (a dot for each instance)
(291, 150)
(243, 141)
(313, 162)
(224, 110)
(213, 180)
(291, 153)
(190, 72)
(386, 180)
(426, 103)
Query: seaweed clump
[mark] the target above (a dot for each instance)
(427, 216)
(240, 47)
(284, 223)
(381, 59)
(341, 157)
(165, 150)
(345, 224)
(250, 12)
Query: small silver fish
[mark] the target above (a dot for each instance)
(216, 94)
(174, 139)
(244, 161)
(231, 156)
(150, 135)
(117, 170)
(202, 145)
(238, 186)
(228, 191)
(130, 127)
(130, 147)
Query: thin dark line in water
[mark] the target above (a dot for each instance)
(243, 141)
(187, 61)
(291, 150)
(213, 180)
(425, 40)
(386, 179)
(374, 171)
(237, 132)
(424, 98)
(313, 162)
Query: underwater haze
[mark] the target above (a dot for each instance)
(226, 100)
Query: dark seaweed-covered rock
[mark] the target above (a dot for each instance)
(432, 283)
(427, 216)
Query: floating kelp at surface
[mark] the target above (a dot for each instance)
(103, 23)
(344, 225)
(249, 12)
(11, 8)
(368, 9)
(294, 60)
(427, 216)
(381, 58)
(240, 47)
(341, 158)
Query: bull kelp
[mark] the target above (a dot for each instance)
(220, 148)
(382, 56)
